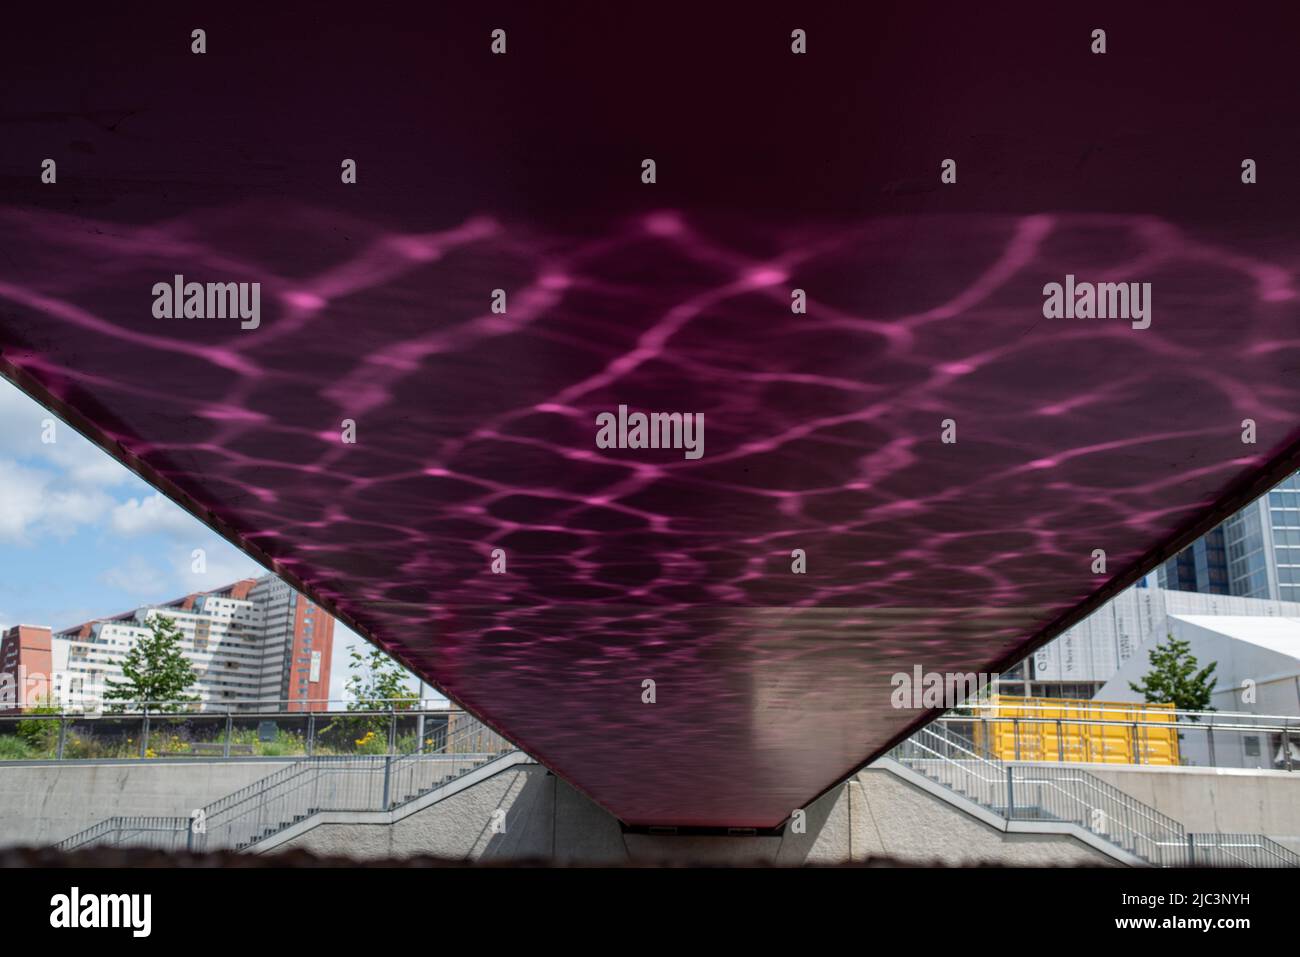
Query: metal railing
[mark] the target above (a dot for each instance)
(98, 706)
(1216, 739)
(1237, 850)
(269, 729)
(1070, 795)
(398, 727)
(253, 813)
(155, 833)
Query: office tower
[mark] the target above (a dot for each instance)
(1254, 554)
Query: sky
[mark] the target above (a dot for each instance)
(82, 537)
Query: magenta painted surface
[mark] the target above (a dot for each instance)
(477, 431)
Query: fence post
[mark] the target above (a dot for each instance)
(261, 814)
(1191, 850)
(144, 731)
(1286, 748)
(1060, 743)
(1209, 737)
(230, 723)
(388, 767)
(63, 736)
(1011, 793)
(311, 732)
(1015, 734)
(392, 729)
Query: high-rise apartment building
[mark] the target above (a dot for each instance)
(302, 634)
(254, 640)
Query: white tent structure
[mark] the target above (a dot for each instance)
(1258, 673)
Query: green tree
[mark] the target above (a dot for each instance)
(1173, 678)
(378, 683)
(41, 734)
(155, 668)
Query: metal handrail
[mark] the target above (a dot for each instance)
(1239, 850)
(1039, 704)
(273, 704)
(1081, 796)
(1088, 782)
(997, 782)
(252, 813)
(77, 728)
(95, 734)
(1029, 727)
(963, 744)
(269, 707)
(1292, 725)
(1075, 795)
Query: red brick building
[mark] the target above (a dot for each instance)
(26, 667)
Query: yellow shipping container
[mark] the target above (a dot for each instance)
(1069, 729)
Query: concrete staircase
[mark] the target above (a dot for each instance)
(1068, 798)
(285, 799)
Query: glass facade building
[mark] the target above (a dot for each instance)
(1254, 554)
(1283, 516)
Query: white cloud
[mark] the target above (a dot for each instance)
(137, 577)
(223, 564)
(24, 426)
(55, 488)
(50, 488)
(20, 506)
(154, 514)
(168, 573)
(65, 509)
(36, 503)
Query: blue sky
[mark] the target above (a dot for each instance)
(82, 537)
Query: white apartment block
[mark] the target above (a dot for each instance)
(253, 641)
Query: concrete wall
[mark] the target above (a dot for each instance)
(897, 819)
(1226, 800)
(41, 804)
(875, 813)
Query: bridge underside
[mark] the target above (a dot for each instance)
(824, 431)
